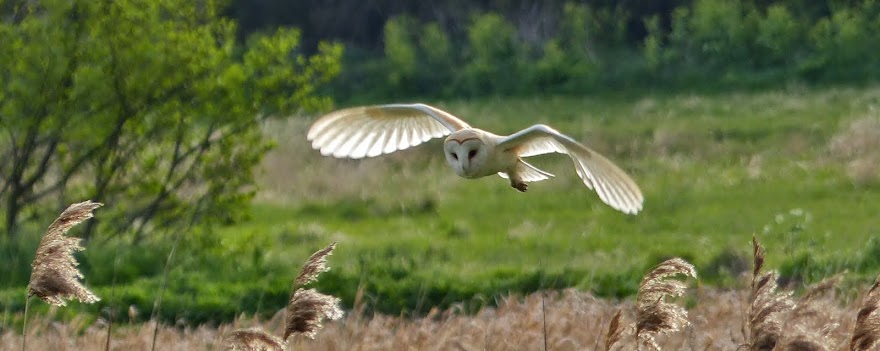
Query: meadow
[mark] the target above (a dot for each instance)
(797, 167)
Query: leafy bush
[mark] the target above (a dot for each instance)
(844, 43)
(778, 37)
(493, 59)
(400, 52)
(439, 59)
(569, 60)
(714, 33)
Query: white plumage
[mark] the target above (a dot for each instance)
(370, 131)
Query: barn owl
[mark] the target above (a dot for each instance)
(370, 131)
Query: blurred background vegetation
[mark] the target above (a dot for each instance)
(477, 48)
(187, 118)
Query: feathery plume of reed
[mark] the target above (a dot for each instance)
(767, 306)
(809, 304)
(54, 274)
(615, 331)
(314, 266)
(308, 308)
(253, 339)
(801, 332)
(654, 315)
(866, 335)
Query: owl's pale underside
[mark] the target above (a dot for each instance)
(369, 131)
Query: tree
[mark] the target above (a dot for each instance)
(151, 106)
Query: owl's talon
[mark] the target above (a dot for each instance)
(521, 186)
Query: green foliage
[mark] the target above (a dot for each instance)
(492, 64)
(400, 52)
(778, 37)
(738, 39)
(418, 58)
(152, 107)
(569, 60)
(587, 46)
(845, 40)
(713, 33)
(439, 59)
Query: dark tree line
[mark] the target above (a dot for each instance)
(359, 23)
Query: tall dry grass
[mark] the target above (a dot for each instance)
(575, 321)
(654, 315)
(773, 319)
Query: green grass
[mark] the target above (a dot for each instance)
(715, 170)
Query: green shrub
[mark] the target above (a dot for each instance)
(577, 28)
(716, 32)
(778, 37)
(845, 44)
(400, 52)
(554, 67)
(492, 65)
(652, 47)
(439, 59)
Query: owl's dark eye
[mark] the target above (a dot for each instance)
(454, 155)
(472, 153)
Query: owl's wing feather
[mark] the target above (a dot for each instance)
(611, 183)
(369, 131)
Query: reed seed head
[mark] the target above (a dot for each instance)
(54, 273)
(866, 335)
(307, 309)
(654, 315)
(767, 306)
(253, 339)
(615, 331)
(314, 266)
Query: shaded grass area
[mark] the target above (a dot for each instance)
(715, 169)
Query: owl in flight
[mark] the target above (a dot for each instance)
(369, 131)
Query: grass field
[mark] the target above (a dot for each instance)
(798, 167)
(784, 165)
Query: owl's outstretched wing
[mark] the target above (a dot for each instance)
(611, 183)
(369, 131)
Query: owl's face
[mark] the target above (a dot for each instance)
(466, 157)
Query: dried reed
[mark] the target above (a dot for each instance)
(655, 316)
(54, 274)
(866, 334)
(314, 266)
(308, 308)
(801, 330)
(615, 331)
(767, 305)
(254, 339)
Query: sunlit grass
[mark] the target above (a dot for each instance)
(715, 169)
